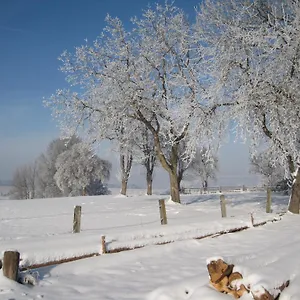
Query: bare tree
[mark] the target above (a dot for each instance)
(25, 182)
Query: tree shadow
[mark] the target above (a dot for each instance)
(41, 274)
(279, 200)
(188, 199)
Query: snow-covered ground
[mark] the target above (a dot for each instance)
(41, 231)
(4, 192)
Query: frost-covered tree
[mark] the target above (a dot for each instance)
(183, 164)
(124, 130)
(24, 182)
(126, 159)
(273, 176)
(254, 46)
(204, 166)
(154, 74)
(144, 153)
(46, 184)
(79, 167)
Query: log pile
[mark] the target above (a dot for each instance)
(225, 280)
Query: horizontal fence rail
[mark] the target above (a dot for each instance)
(222, 189)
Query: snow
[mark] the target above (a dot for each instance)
(4, 192)
(41, 231)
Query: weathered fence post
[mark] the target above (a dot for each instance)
(103, 244)
(269, 201)
(77, 219)
(10, 266)
(162, 212)
(252, 219)
(223, 206)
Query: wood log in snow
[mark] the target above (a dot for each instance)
(219, 273)
(261, 293)
(223, 279)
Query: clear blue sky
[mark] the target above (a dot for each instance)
(33, 33)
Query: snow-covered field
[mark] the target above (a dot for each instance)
(4, 192)
(41, 231)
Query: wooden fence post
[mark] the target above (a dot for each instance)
(103, 244)
(10, 266)
(223, 206)
(77, 219)
(162, 212)
(252, 219)
(269, 201)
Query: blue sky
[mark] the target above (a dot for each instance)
(33, 33)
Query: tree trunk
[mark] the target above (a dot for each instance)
(170, 167)
(179, 179)
(125, 165)
(149, 184)
(124, 187)
(205, 185)
(174, 188)
(294, 203)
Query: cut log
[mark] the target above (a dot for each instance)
(234, 281)
(223, 279)
(218, 269)
(234, 276)
(219, 273)
(260, 293)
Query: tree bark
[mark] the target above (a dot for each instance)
(149, 164)
(294, 203)
(125, 165)
(174, 188)
(171, 168)
(124, 186)
(149, 183)
(179, 179)
(205, 185)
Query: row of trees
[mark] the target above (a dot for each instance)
(184, 82)
(68, 168)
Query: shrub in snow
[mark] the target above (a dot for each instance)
(96, 187)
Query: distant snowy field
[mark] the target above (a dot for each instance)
(4, 191)
(41, 230)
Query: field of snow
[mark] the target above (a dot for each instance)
(4, 192)
(41, 230)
